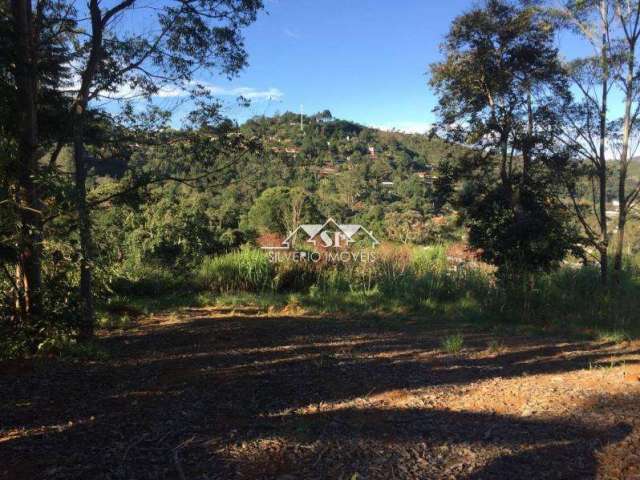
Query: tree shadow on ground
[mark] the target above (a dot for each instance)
(207, 386)
(459, 444)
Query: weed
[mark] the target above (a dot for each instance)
(453, 343)
(67, 347)
(495, 346)
(115, 322)
(612, 336)
(246, 270)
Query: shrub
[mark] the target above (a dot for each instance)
(65, 346)
(60, 303)
(333, 279)
(149, 280)
(294, 276)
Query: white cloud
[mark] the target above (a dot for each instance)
(176, 91)
(250, 93)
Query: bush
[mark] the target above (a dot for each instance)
(149, 280)
(294, 276)
(61, 317)
(246, 270)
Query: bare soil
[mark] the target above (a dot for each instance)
(204, 394)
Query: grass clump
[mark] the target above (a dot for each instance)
(67, 347)
(453, 343)
(246, 270)
(612, 336)
(495, 346)
(115, 322)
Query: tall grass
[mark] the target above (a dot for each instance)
(246, 270)
(575, 295)
(402, 275)
(424, 280)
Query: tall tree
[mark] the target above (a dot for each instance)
(28, 277)
(627, 14)
(191, 35)
(33, 57)
(586, 126)
(498, 86)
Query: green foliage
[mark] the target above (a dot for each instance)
(59, 301)
(293, 276)
(495, 346)
(406, 275)
(246, 270)
(67, 347)
(531, 233)
(612, 336)
(453, 343)
(149, 279)
(279, 210)
(412, 280)
(511, 116)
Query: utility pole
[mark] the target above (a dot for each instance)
(301, 118)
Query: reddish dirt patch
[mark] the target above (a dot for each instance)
(210, 395)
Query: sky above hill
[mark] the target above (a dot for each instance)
(364, 60)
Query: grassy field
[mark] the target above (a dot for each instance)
(403, 281)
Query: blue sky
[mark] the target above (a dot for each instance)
(365, 60)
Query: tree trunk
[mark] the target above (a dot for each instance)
(604, 238)
(504, 153)
(617, 263)
(624, 162)
(84, 229)
(526, 153)
(602, 173)
(80, 162)
(28, 271)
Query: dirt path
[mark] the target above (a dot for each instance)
(202, 395)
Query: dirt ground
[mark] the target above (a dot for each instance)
(204, 394)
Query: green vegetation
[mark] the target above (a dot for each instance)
(409, 281)
(243, 271)
(453, 343)
(499, 215)
(613, 336)
(495, 346)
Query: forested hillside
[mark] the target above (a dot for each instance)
(395, 183)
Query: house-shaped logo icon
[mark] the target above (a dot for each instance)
(330, 234)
